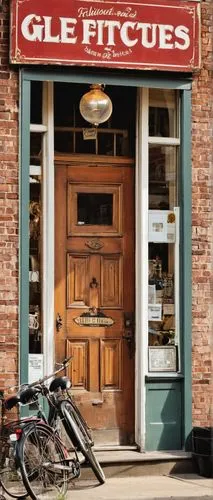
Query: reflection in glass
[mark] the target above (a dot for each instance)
(163, 186)
(162, 113)
(94, 209)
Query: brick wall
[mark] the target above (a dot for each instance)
(202, 206)
(8, 209)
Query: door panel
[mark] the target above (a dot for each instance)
(111, 281)
(94, 292)
(77, 277)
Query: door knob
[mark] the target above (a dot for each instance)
(58, 322)
(93, 283)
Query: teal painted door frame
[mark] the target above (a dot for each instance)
(24, 193)
(125, 78)
(186, 263)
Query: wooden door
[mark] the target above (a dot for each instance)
(94, 292)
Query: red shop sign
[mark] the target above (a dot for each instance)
(163, 35)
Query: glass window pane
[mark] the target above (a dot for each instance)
(95, 209)
(161, 294)
(84, 146)
(105, 144)
(63, 142)
(36, 148)
(35, 337)
(36, 103)
(163, 185)
(122, 145)
(162, 113)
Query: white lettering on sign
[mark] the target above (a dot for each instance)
(42, 32)
(105, 32)
(66, 30)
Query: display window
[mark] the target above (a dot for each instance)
(163, 231)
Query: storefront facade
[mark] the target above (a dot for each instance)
(105, 249)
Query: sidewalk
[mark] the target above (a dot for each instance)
(179, 487)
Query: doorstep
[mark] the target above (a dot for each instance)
(126, 454)
(127, 461)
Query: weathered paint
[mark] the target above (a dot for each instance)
(138, 35)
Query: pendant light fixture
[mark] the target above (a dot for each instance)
(96, 106)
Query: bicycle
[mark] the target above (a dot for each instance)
(10, 474)
(62, 406)
(41, 463)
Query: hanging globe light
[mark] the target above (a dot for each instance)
(95, 106)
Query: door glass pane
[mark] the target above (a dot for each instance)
(94, 209)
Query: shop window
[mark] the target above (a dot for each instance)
(163, 290)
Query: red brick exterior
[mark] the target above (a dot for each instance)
(8, 209)
(202, 175)
(202, 160)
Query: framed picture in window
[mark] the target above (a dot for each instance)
(162, 358)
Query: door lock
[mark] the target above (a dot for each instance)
(58, 322)
(129, 332)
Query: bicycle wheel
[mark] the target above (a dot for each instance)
(78, 434)
(43, 464)
(10, 474)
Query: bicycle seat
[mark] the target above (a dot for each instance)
(10, 402)
(29, 394)
(62, 382)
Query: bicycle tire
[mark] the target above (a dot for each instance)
(42, 458)
(82, 420)
(77, 432)
(10, 473)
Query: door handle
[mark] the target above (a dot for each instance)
(93, 283)
(58, 322)
(129, 332)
